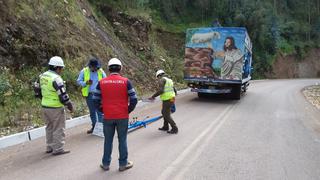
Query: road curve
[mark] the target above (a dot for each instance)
(271, 133)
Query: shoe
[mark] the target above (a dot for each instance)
(105, 168)
(128, 166)
(61, 152)
(90, 131)
(173, 131)
(163, 129)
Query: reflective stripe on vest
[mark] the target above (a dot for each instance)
(86, 77)
(50, 97)
(168, 92)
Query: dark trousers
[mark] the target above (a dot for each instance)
(166, 113)
(94, 112)
(109, 128)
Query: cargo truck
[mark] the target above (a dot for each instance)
(218, 60)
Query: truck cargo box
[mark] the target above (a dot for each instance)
(217, 55)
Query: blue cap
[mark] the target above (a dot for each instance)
(94, 62)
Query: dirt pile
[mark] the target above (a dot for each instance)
(312, 93)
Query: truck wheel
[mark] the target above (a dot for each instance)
(201, 95)
(245, 87)
(236, 91)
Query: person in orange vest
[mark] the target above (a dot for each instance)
(117, 98)
(88, 80)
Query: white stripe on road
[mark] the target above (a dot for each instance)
(196, 148)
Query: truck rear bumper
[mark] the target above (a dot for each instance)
(210, 80)
(212, 91)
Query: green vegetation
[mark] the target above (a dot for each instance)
(286, 27)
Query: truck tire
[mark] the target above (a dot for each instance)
(245, 87)
(236, 91)
(201, 95)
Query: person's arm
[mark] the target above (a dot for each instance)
(175, 91)
(219, 54)
(63, 96)
(162, 83)
(97, 98)
(37, 88)
(133, 100)
(80, 79)
(103, 74)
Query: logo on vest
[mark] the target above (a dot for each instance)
(113, 82)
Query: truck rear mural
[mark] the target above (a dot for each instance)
(217, 55)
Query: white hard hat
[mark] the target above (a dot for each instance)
(114, 61)
(56, 61)
(159, 72)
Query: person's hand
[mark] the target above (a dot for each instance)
(100, 108)
(89, 82)
(151, 98)
(70, 107)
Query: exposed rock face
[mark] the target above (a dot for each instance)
(133, 30)
(291, 67)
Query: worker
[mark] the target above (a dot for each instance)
(54, 98)
(88, 80)
(116, 97)
(167, 94)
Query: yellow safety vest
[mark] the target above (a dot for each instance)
(168, 92)
(50, 97)
(86, 77)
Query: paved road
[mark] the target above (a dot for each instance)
(271, 133)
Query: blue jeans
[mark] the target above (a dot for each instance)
(93, 110)
(109, 127)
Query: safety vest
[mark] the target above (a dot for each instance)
(50, 97)
(86, 77)
(114, 94)
(168, 92)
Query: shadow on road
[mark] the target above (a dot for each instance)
(216, 98)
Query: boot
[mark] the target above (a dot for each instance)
(90, 131)
(163, 128)
(174, 130)
(60, 152)
(125, 167)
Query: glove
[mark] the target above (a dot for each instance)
(89, 82)
(70, 107)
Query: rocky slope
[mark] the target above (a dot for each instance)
(33, 31)
(292, 67)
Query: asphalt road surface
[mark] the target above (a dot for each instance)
(271, 133)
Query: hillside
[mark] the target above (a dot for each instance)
(33, 31)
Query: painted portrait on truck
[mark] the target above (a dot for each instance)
(232, 60)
